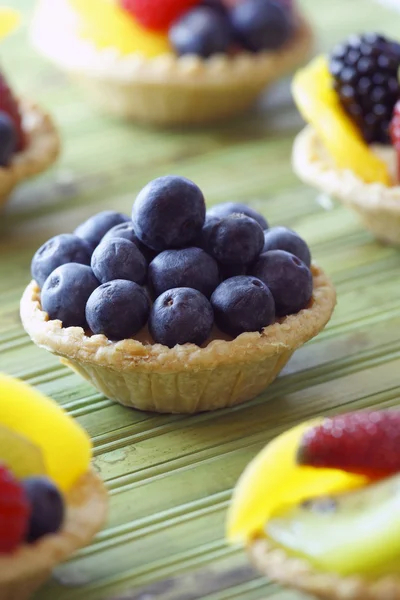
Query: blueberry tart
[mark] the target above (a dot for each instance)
(176, 310)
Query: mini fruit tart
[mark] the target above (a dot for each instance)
(171, 62)
(351, 146)
(176, 310)
(317, 508)
(29, 142)
(51, 502)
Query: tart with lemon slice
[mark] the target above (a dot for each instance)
(29, 142)
(174, 62)
(317, 508)
(51, 502)
(350, 147)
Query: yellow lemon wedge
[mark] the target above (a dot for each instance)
(65, 447)
(273, 479)
(20, 455)
(320, 106)
(109, 26)
(9, 21)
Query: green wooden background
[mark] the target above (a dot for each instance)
(170, 478)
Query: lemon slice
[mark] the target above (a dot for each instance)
(320, 106)
(273, 480)
(108, 26)
(9, 21)
(66, 448)
(20, 455)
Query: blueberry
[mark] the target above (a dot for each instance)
(123, 230)
(65, 293)
(242, 304)
(216, 5)
(118, 309)
(282, 238)
(236, 239)
(95, 228)
(229, 208)
(8, 139)
(59, 250)
(188, 267)
(47, 507)
(169, 213)
(117, 258)
(202, 31)
(181, 316)
(261, 24)
(288, 278)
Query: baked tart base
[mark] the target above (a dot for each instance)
(187, 378)
(168, 90)
(23, 572)
(377, 205)
(298, 573)
(42, 150)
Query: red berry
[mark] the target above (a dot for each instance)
(9, 105)
(157, 14)
(14, 512)
(394, 131)
(360, 442)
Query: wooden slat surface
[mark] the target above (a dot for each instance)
(170, 477)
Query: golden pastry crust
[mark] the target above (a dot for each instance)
(298, 573)
(185, 378)
(377, 206)
(42, 150)
(168, 89)
(24, 571)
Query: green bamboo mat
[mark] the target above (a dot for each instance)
(170, 478)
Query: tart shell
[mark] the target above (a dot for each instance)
(43, 147)
(23, 572)
(377, 206)
(298, 573)
(167, 90)
(187, 378)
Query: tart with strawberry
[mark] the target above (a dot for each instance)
(350, 148)
(317, 508)
(173, 62)
(51, 502)
(29, 142)
(176, 309)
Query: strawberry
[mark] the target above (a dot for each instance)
(394, 131)
(365, 442)
(14, 512)
(9, 105)
(157, 14)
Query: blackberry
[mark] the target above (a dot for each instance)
(365, 71)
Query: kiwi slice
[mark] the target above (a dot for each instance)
(354, 532)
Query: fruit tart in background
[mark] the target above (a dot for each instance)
(172, 61)
(29, 142)
(51, 502)
(317, 509)
(350, 148)
(175, 309)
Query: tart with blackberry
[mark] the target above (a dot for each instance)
(350, 147)
(175, 309)
(172, 62)
(51, 502)
(317, 508)
(29, 142)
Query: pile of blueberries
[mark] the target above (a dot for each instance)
(214, 27)
(174, 267)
